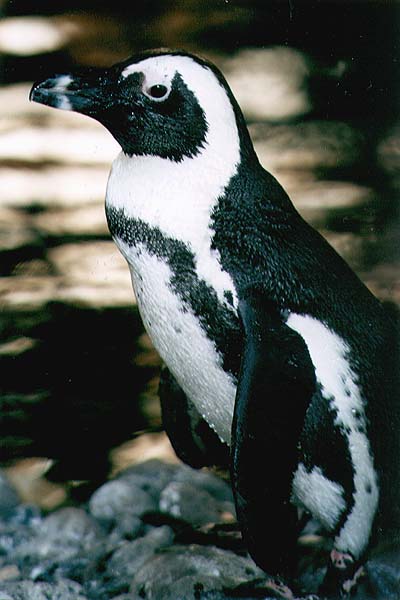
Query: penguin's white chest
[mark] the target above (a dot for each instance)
(179, 338)
(170, 204)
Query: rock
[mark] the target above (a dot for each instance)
(29, 590)
(17, 346)
(350, 246)
(204, 479)
(308, 145)
(87, 274)
(15, 231)
(9, 573)
(319, 199)
(270, 83)
(9, 499)
(83, 146)
(188, 571)
(26, 515)
(120, 504)
(62, 535)
(17, 531)
(27, 293)
(82, 221)
(68, 544)
(388, 150)
(131, 556)
(63, 186)
(194, 505)
(383, 281)
(384, 575)
(148, 446)
(197, 497)
(29, 35)
(152, 476)
(97, 260)
(93, 274)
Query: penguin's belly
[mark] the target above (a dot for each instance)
(181, 340)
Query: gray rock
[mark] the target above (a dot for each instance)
(384, 575)
(13, 535)
(185, 572)
(9, 499)
(131, 556)
(152, 476)
(63, 535)
(214, 485)
(29, 590)
(121, 503)
(192, 504)
(197, 497)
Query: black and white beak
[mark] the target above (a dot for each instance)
(84, 93)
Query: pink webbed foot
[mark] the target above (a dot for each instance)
(342, 576)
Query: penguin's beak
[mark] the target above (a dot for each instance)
(86, 94)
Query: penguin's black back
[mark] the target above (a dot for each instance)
(266, 245)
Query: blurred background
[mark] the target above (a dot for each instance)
(318, 84)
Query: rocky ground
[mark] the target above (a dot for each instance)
(144, 534)
(79, 375)
(151, 533)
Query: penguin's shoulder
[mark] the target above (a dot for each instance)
(264, 242)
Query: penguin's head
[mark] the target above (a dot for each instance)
(168, 104)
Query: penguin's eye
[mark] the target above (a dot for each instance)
(157, 92)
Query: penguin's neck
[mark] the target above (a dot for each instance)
(176, 200)
(178, 197)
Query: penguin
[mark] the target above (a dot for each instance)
(277, 358)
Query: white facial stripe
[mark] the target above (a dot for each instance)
(181, 342)
(155, 71)
(322, 497)
(63, 81)
(61, 84)
(339, 385)
(178, 198)
(64, 103)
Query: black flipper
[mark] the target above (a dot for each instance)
(190, 435)
(276, 384)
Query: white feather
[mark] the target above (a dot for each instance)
(180, 340)
(323, 498)
(339, 385)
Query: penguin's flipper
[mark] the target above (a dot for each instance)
(190, 435)
(276, 384)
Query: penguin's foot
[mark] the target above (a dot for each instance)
(270, 587)
(342, 576)
(341, 560)
(280, 589)
(351, 584)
